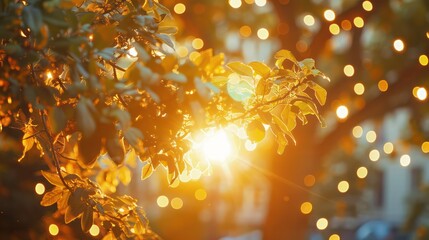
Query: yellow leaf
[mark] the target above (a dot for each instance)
(285, 54)
(320, 93)
(289, 118)
(255, 131)
(241, 68)
(282, 142)
(51, 197)
(53, 178)
(260, 68)
(147, 170)
(27, 142)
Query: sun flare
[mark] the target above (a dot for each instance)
(216, 146)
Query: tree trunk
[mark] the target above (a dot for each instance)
(284, 219)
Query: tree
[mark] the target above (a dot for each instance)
(93, 83)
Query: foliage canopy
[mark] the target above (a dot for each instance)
(71, 82)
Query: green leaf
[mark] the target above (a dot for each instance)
(57, 119)
(32, 18)
(241, 68)
(260, 68)
(175, 77)
(53, 178)
(51, 197)
(85, 120)
(320, 93)
(147, 170)
(87, 219)
(255, 131)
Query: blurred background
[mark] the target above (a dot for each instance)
(364, 176)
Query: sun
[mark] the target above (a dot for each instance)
(216, 146)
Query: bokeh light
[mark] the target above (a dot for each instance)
(176, 203)
(359, 88)
(260, 3)
(235, 3)
(425, 147)
(357, 131)
(179, 8)
(263, 33)
(309, 180)
(405, 160)
(309, 20)
(383, 85)
(322, 223)
(162, 201)
(329, 15)
(342, 112)
(374, 155)
(334, 237)
(343, 186)
(39, 188)
(423, 60)
(421, 93)
(197, 43)
(200, 194)
(245, 31)
(94, 230)
(388, 148)
(349, 70)
(362, 172)
(334, 29)
(53, 229)
(216, 146)
(371, 136)
(367, 5)
(398, 45)
(358, 22)
(306, 207)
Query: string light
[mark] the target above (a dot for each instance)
(388, 148)
(179, 8)
(405, 160)
(53, 229)
(398, 45)
(342, 112)
(162, 201)
(343, 186)
(329, 15)
(322, 223)
(357, 131)
(309, 20)
(362, 172)
(263, 33)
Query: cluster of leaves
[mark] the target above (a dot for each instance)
(71, 81)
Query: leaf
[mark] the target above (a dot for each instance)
(164, 38)
(32, 18)
(27, 142)
(167, 29)
(104, 36)
(147, 170)
(219, 81)
(51, 197)
(141, 52)
(124, 175)
(57, 119)
(76, 206)
(87, 219)
(135, 138)
(285, 54)
(241, 68)
(260, 68)
(53, 178)
(289, 118)
(175, 77)
(62, 203)
(320, 93)
(89, 150)
(307, 63)
(255, 131)
(85, 120)
(115, 150)
(282, 142)
(280, 123)
(240, 90)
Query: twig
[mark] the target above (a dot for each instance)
(54, 154)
